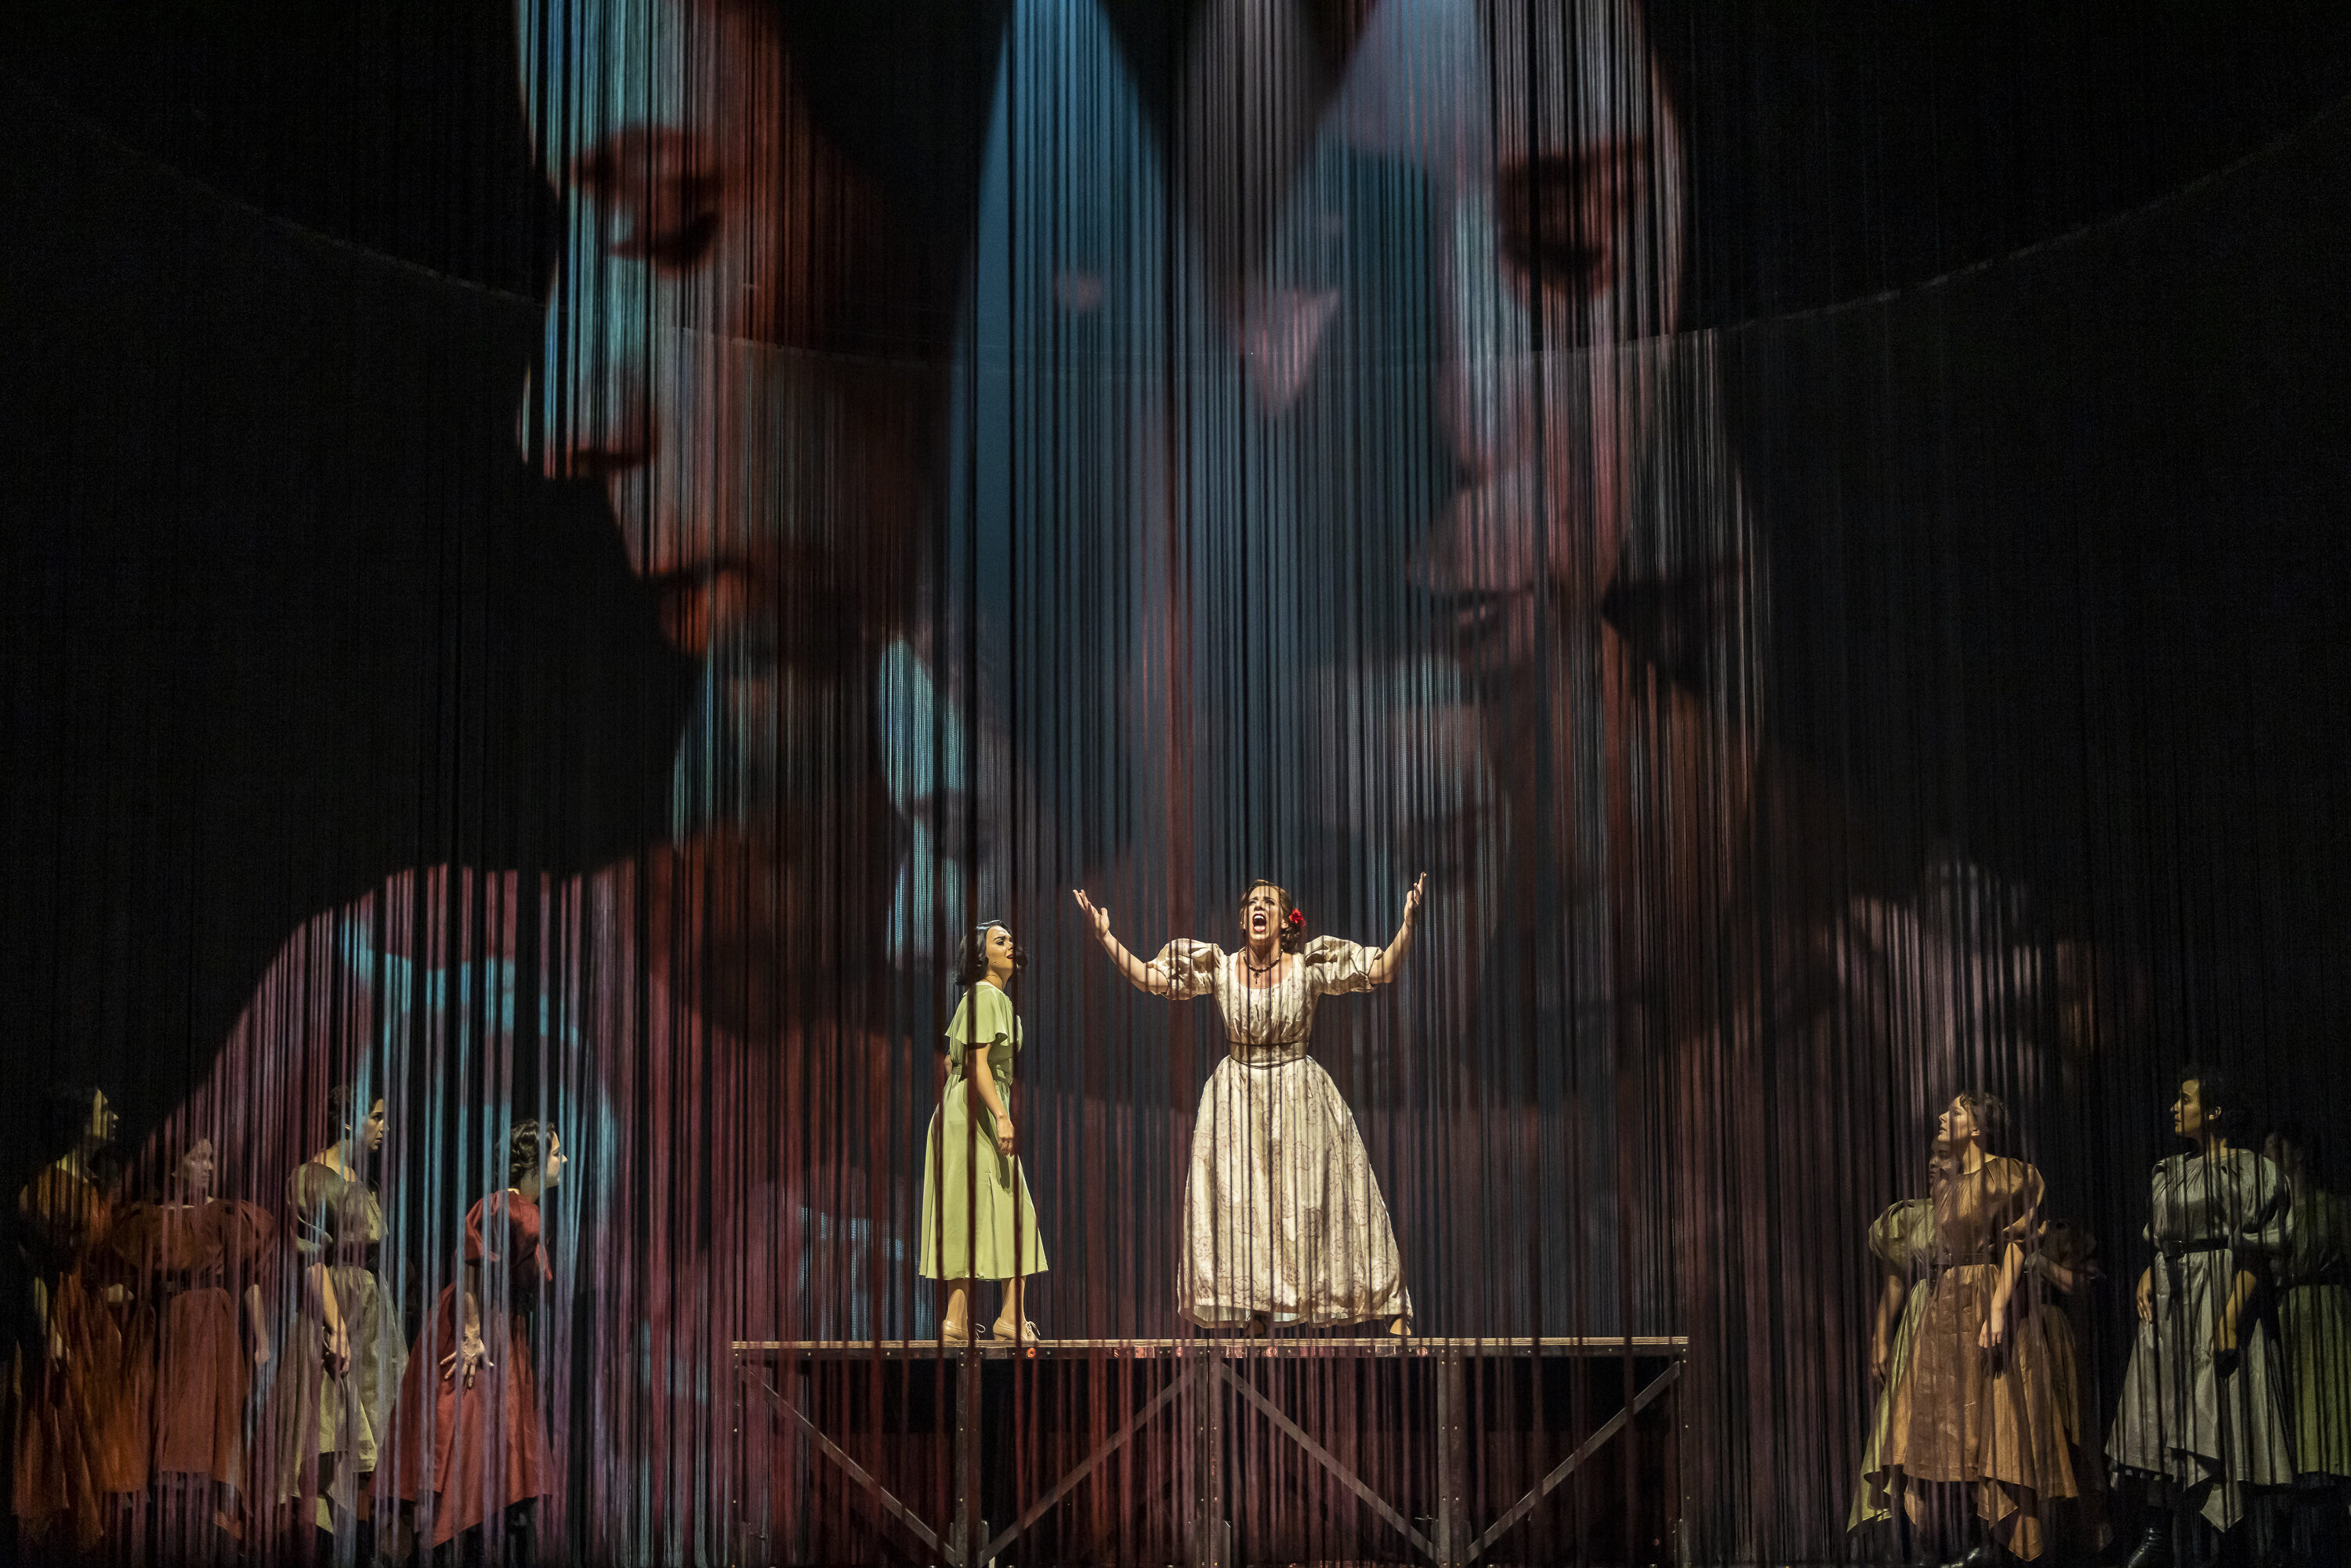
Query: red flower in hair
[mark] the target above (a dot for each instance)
(1297, 917)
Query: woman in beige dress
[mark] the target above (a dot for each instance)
(1283, 1222)
(1977, 1407)
(343, 1348)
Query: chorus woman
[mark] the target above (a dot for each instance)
(2202, 1423)
(343, 1347)
(1283, 1222)
(979, 1221)
(472, 1441)
(1902, 1240)
(198, 1260)
(2313, 1317)
(78, 1407)
(1976, 1408)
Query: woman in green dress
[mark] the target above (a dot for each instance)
(2312, 1280)
(978, 1220)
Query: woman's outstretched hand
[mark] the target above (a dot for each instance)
(1415, 897)
(1098, 920)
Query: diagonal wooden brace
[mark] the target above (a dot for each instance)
(1567, 1466)
(855, 1471)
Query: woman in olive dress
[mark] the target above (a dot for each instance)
(1977, 1407)
(1283, 1222)
(2202, 1425)
(1902, 1240)
(2313, 1316)
(343, 1349)
(978, 1222)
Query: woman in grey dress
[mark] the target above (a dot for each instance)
(2202, 1416)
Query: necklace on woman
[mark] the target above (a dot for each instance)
(1258, 968)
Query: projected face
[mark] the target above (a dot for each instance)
(196, 1171)
(1553, 246)
(718, 257)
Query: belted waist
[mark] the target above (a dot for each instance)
(1277, 1052)
(2176, 1251)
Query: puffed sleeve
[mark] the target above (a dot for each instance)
(2020, 1216)
(2263, 1206)
(60, 1216)
(2063, 1245)
(1190, 967)
(244, 1229)
(1901, 1233)
(984, 1018)
(1334, 964)
(138, 1237)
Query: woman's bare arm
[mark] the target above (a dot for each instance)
(1153, 978)
(1384, 966)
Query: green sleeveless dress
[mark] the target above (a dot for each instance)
(977, 1219)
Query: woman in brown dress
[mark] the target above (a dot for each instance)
(1976, 1408)
(487, 1460)
(78, 1415)
(198, 1260)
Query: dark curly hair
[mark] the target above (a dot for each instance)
(2214, 1093)
(1291, 920)
(345, 1111)
(1990, 1112)
(528, 1148)
(971, 954)
(68, 1116)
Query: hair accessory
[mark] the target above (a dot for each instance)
(1297, 916)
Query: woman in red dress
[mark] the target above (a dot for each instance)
(80, 1412)
(197, 1258)
(483, 1459)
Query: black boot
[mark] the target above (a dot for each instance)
(1987, 1554)
(2153, 1550)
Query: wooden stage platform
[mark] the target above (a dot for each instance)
(1450, 1451)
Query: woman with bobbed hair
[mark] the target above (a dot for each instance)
(1283, 1222)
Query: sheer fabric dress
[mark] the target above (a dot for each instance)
(979, 1221)
(1965, 1414)
(2211, 1424)
(475, 1450)
(337, 1222)
(1903, 1241)
(194, 1263)
(1282, 1217)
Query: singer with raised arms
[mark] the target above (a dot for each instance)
(1283, 1222)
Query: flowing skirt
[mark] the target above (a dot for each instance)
(979, 1221)
(317, 1414)
(1989, 1420)
(471, 1450)
(1871, 1501)
(2210, 1426)
(1282, 1217)
(204, 1381)
(2314, 1321)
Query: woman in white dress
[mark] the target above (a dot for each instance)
(1283, 1221)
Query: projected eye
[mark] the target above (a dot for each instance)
(1556, 215)
(656, 197)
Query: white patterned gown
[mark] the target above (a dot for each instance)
(1281, 1215)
